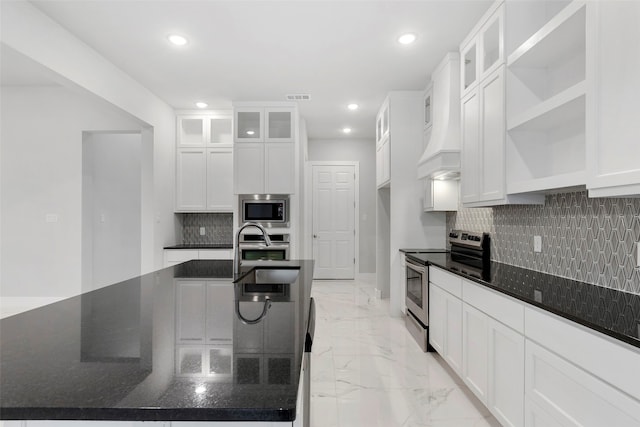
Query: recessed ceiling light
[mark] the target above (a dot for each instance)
(407, 38)
(346, 130)
(202, 104)
(177, 40)
(352, 107)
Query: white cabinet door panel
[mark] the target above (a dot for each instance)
(436, 318)
(248, 168)
(279, 168)
(191, 180)
(453, 338)
(220, 179)
(492, 169)
(475, 351)
(506, 374)
(572, 396)
(470, 173)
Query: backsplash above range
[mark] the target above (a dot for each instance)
(218, 228)
(590, 240)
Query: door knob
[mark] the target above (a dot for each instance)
(315, 236)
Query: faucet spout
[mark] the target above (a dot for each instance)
(236, 258)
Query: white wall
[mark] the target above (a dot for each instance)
(41, 174)
(72, 63)
(410, 227)
(363, 151)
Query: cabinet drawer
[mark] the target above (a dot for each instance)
(447, 281)
(615, 363)
(216, 254)
(504, 309)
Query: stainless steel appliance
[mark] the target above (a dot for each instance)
(469, 255)
(252, 247)
(267, 210)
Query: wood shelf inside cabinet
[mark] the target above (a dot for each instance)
(563, 34)
(565, 106)
(547, 183)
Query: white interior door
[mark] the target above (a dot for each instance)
(334, 221)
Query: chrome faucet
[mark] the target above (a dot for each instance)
(236, 258)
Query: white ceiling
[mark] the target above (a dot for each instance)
(336, 51)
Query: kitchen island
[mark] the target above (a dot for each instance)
(185, 343)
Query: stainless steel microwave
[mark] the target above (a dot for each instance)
(270, 211)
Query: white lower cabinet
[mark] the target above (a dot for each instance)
(560, 393)
(453, 333)
(493, 358)
(475, 351)
(436, 318)
(506, 374)
(528, 366)
(445, 317)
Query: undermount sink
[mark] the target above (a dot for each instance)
(271, 275)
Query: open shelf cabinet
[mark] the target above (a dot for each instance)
(546, 96)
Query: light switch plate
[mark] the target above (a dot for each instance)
(203, 231)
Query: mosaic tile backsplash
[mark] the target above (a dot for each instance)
(218, 228)
(590, 240)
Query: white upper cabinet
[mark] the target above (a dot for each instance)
(383, 147)
(205, 130)
(249, 124)
(483, 52)
(204, 162)
(382, 123)
(265, 124)
(264, 153)
(484, 160)
(546, 95)
(613, 144)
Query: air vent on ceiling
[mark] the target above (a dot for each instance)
(298, 97)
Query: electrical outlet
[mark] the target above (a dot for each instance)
(537, 243)
(203, 231)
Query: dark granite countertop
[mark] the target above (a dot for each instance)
(201, 246)
(165, 346)
(609, 311)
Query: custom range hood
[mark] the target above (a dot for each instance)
(441, 158)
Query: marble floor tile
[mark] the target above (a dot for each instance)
(366, 370)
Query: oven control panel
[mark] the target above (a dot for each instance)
(468, 238)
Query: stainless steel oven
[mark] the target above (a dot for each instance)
(253, 248)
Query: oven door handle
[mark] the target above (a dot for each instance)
(419, 268)
(263, 246)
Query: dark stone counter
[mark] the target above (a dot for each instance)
(168, 345)
(605, 310)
